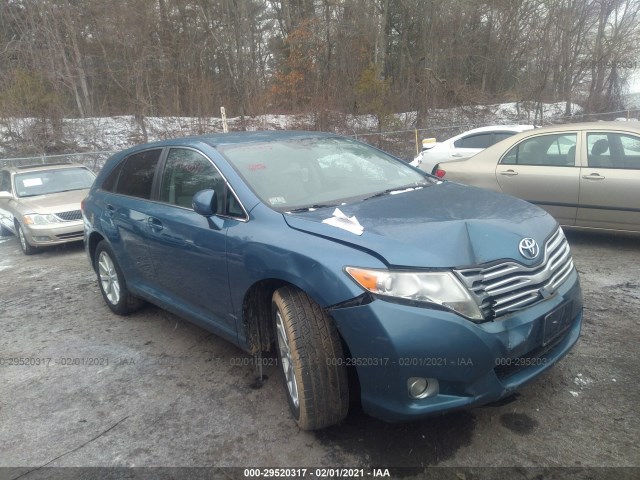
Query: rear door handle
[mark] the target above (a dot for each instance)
(509, 173)
(154, 224)
(593, 176)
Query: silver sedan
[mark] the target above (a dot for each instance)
(586, 175)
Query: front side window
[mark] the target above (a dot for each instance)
(186, 172)
(44, 182)
(136, 174)
(556, 150)
(613, 150)
(299, 173)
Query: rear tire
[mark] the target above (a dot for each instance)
(112, 282)
(312, 360)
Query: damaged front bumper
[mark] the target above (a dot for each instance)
(467, 364)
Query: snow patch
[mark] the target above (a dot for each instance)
(582, 381)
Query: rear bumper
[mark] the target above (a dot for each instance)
(474, 364)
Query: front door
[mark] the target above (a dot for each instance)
(189, 250)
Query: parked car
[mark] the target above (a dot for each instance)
(586, 175)
(464, 145)
(437, 296)
(40, 204)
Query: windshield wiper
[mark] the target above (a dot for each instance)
(313, 207)
(391, 191)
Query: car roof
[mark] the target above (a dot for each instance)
(260, 136)
(234, 138)
(492, 128)
(40, 167)
(632, 127)
(610, 125)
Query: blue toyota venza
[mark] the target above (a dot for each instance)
(342, 258)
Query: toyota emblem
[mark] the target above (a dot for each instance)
(529, 248)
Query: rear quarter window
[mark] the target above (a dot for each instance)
(134, 176)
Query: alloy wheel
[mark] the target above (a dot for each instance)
(287, 363)
(108, 278)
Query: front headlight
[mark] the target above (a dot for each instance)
(37, 219)
(441, 288)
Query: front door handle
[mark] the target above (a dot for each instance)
(509, 173)
(593, 176)
(154, 224)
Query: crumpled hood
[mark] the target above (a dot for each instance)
(53, 202)
(445, 225)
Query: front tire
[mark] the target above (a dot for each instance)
(26, 247)
(312, 360)
(112, 282)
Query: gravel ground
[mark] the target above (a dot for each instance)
(153, 390)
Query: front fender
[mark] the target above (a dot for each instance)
(313, 264)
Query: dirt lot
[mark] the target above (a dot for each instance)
(153, 390)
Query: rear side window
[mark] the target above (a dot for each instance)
(482, 140)
(499, 136)
(135, 177)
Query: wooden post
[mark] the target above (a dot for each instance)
(225, 127)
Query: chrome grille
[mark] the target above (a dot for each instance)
(511, 286)
(70, 216)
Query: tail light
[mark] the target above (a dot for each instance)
(439, 173)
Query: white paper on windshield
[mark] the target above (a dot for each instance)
(340, 220)
(32, 182)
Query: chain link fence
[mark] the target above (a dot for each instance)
(404, 144)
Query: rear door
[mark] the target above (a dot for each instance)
(127, 199)
(610, 182)
(542, 170)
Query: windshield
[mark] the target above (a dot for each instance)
(44, 182)
(293, 174)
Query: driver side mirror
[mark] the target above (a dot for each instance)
(205, 203)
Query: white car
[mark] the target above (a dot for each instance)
(465, 145)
